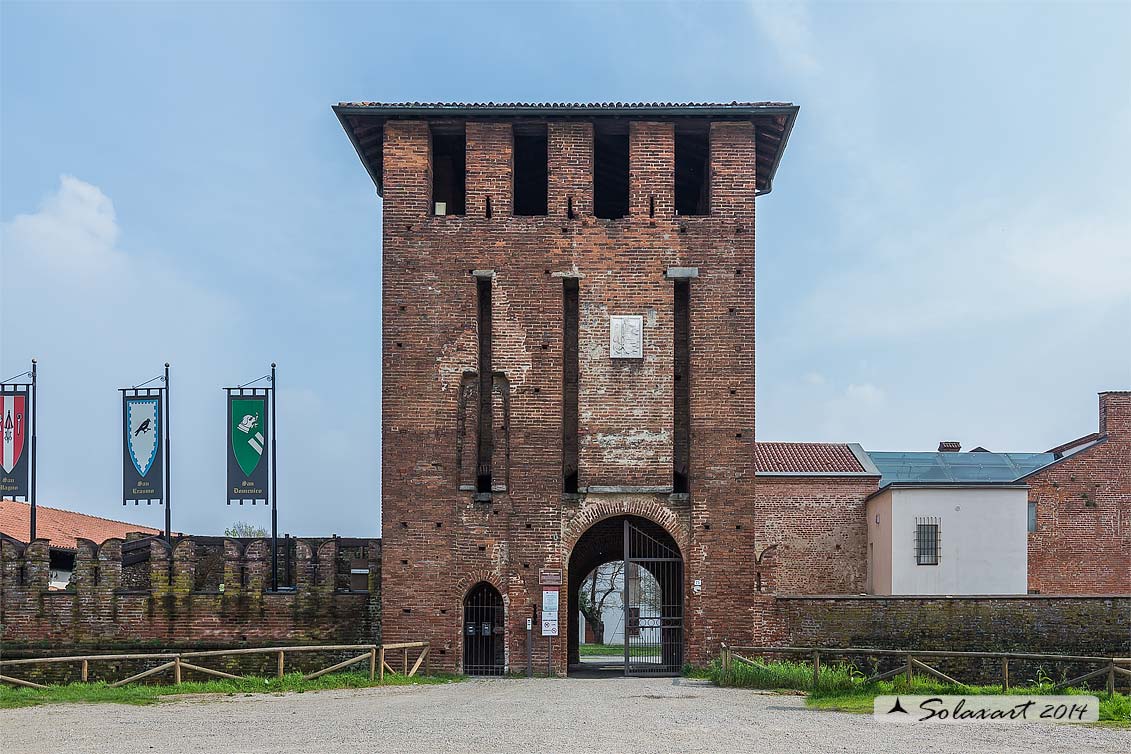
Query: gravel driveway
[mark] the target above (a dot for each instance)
(504, 715)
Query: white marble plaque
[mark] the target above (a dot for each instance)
(626, 336)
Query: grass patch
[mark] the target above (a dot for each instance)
(842, 687)
(148, 694)
(616, 650)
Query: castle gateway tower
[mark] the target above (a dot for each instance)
(568, 367)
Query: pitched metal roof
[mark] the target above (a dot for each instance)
(364, 122)
(956, 468)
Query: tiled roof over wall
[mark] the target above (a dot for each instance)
(806, 457)
(62, 527)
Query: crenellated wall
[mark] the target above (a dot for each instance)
(160, 595)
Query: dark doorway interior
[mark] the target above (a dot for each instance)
(483, 631)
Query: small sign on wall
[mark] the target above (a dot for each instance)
(626, 336)
(550, 600)
(550, 612)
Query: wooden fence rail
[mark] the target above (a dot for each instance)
(177, 662)
(913, 659)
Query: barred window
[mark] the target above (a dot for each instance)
(1032, 515)
(927, 541)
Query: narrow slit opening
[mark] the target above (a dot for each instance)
(485, 438)
(570, 309)
(681, 431)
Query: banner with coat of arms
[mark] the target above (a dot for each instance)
(14, 434)
(247, 441)
(143, 424)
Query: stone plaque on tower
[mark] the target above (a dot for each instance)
(626, 336)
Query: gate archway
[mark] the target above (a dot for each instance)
(650, 591)
(484, 627)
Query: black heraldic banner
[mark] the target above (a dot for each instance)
(247, 433)
(143, 421)
(14, 434)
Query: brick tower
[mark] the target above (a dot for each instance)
(568, 355)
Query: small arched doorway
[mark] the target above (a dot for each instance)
(484, 629)
(637, 564)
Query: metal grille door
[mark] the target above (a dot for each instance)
(483, 632)
(653, 605)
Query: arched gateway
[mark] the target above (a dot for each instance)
(648, 590)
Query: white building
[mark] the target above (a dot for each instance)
(607, 592)
(955, 539)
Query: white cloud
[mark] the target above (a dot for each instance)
(74, 232)
(974, 270)
(786, 25)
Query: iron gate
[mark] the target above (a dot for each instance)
(483, 631)
(653, 605)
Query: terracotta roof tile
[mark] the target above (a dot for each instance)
(62, 527)
(806, 457)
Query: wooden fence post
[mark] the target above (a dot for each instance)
(406, 661)
(1005, 674)
(1111, 678)
(279, 664)
(177, 670)
(909, 670)
(85, 670)
(372, 663)
(816, 669)
(381, 664)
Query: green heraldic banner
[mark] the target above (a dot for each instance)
(247, 441)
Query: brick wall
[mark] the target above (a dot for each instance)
(818, 532)
(106, 611)
(1078, 625)
(438, 541)
(1082, 544)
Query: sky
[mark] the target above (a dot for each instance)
(946, 253)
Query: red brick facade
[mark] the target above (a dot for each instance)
(438, 540)
(817, 528)
(1082, 544)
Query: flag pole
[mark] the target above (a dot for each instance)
(34, 450)
(274, 491)
(168, 484)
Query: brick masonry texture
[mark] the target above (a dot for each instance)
(1082, 544)
(115, 608)
(1081, 626)
(438, 542)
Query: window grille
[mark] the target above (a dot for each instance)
(927, 541)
